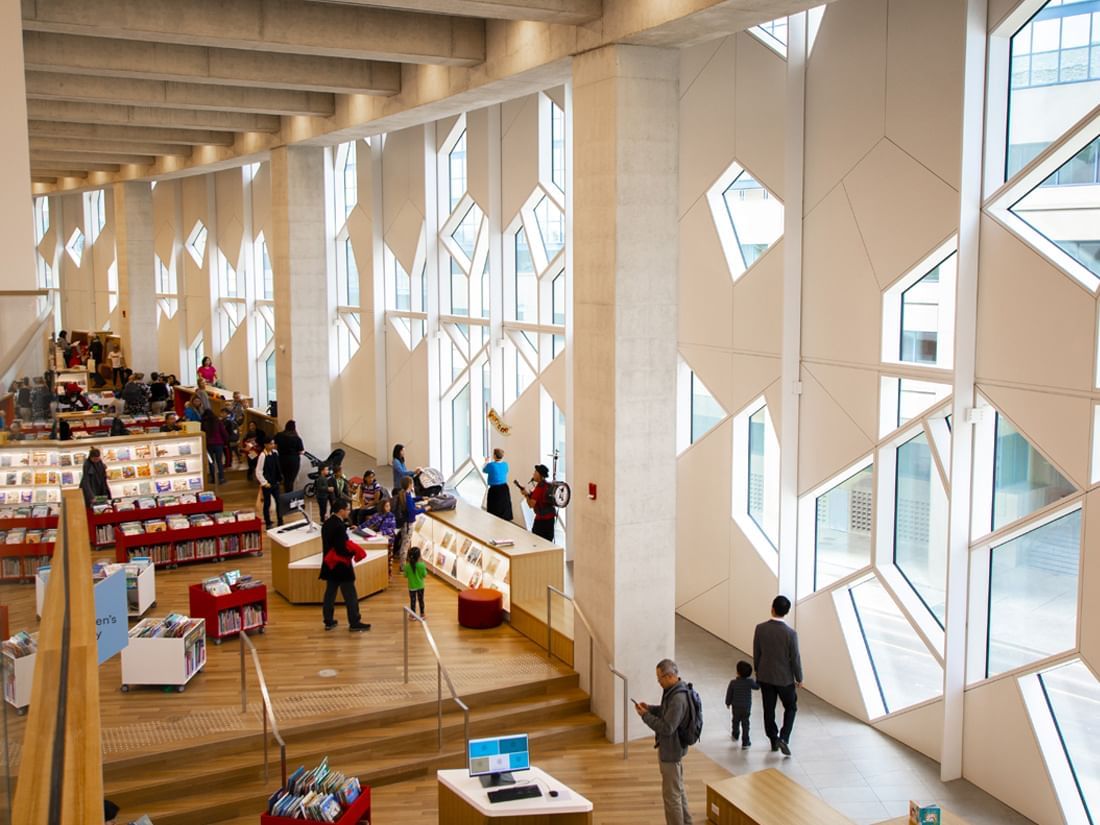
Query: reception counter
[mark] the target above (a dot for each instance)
(296, 565)
(463, 801)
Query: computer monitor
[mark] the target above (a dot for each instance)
(496, 759)
(294, 502)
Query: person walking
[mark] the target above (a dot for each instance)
(415, 571)
(778, 672)
(216, 441)
(93, 479)
(323, 491)
(739, 701)
(665, 721)
(337, 570)
(269, 476)
(290, 449)
(498, 500)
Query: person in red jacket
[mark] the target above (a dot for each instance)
(337, 569)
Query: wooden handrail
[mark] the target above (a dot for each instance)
(61, 773)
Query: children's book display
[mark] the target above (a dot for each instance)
(319, 795)
(94, 425)
(35, 472)
(229, 603)
(18, 663)
(27, 536)
(183, 539)
(167, 652)
(106, 513)
(141, 588)
(461, 560)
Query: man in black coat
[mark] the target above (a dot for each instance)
(337, 570)
(93, 481)
(778, 671)
(290, 449)
(269, 475)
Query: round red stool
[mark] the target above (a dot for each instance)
(480, 608)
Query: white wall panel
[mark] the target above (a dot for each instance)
(835, 438)
(519, 163)
(751, 374)
(826, 665)
(703, 521)
(903, 211)
(752, 587)
(921, 728)
(406, 389)
(707, 124)
(1088, 602)
(758, 304)
(714, 367)
(1035, 325)
(923, 95)
(841, 300)
(845, 93)
(761, 121)
(855, 390)
(477, 159)
(1000, 754)
(705, 286)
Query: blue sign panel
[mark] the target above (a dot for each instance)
(112, 627)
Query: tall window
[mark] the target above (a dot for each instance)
(557, 145)
(95, 214)
(920, 524)
(918, 312)
(347, 180)
(842, 529)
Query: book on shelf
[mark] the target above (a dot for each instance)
(172, 626)
(156, 526)
(20, 645)
(224, 518)
(191, 498)
(216, 586)
(321, 795)
(131, 528)
(178, 523)
(16, 536)
(33, 537)
(206, 495)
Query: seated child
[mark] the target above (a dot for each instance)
(383, 522)
(739, 701)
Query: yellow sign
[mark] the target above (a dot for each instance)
(498, 422)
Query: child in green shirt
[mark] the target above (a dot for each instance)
(415, 571)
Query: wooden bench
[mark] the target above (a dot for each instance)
(770, 797)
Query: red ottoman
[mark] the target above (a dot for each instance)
(480, 608)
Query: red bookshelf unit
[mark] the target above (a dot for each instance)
(358, 813)
(19, 562)
(214, 542)
(108, 520)
(237, 607)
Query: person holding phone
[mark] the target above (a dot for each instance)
(541, 501)
(664, 720)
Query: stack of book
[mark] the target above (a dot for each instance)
(319, 795)
(20, 645)
(172, 626)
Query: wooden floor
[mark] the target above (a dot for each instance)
(312, 674)
(622, 792)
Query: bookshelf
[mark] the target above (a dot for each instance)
(101, 525)
(18, 666)
(27, 535)
(164, 660)
(141, 588)
(171, 548)
(19, 562)
(35, 471)
(245, 608)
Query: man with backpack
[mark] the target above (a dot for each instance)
(677, 723)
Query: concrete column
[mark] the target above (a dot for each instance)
(16, 227)
(625, 242)
(302, 323)
(134, 252)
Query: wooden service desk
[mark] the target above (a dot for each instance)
(462, 801)
(767, 797)
(296, 565)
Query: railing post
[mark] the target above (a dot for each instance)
(244, 687)
(591, 672)
(549, 625)
(282, 760)
(405, 628)
(7, 751)
(439, 701)
(626, 717)
(264, 714)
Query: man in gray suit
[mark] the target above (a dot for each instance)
(778, 671)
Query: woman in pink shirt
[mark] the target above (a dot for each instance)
(207, 372)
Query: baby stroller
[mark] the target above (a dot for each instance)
(428, 482)
(334, 460)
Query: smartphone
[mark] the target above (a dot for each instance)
(635, 701)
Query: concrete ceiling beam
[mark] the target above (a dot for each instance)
(157, 93)
(68, 162)
(80, 160)
(189, 119)
(128, 134)
(51, 144)
(46, 172)
(200, 64)
(573, 12)
(287, 26)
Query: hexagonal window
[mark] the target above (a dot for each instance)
(748, 217)
(1032, 598)
(196, 243)
(1062, 702)
(75, 246)
(837, 518)
(893, 665)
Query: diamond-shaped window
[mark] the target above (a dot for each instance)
(196, 243)
(75, 246)
(1023, 480)
(465, 234)
(748, 217)
(920, 524)
(1065, 208)
(551, 221)
(772, 34)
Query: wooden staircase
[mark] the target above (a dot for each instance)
(223, 783)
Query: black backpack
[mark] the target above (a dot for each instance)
(691, 726)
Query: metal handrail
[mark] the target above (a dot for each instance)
(592, 639)
(269, 712)
(441, 675)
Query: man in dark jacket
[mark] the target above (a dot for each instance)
(93, 481)
(337, 570)
(665, 722)
(269, 476)
(290, 449)
(778, 671)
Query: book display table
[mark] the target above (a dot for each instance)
(244, 609)
(464, 801)
(296, 565)
(460, 546)
(170, 661)
(358, 813)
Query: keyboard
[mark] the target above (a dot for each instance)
(514, 792)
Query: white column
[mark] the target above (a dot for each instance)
(16, 227)
(302, 320)
(378, 303)
(962, 434)
(625, 246)
(134, 252)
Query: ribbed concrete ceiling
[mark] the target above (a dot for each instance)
(137, 88)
